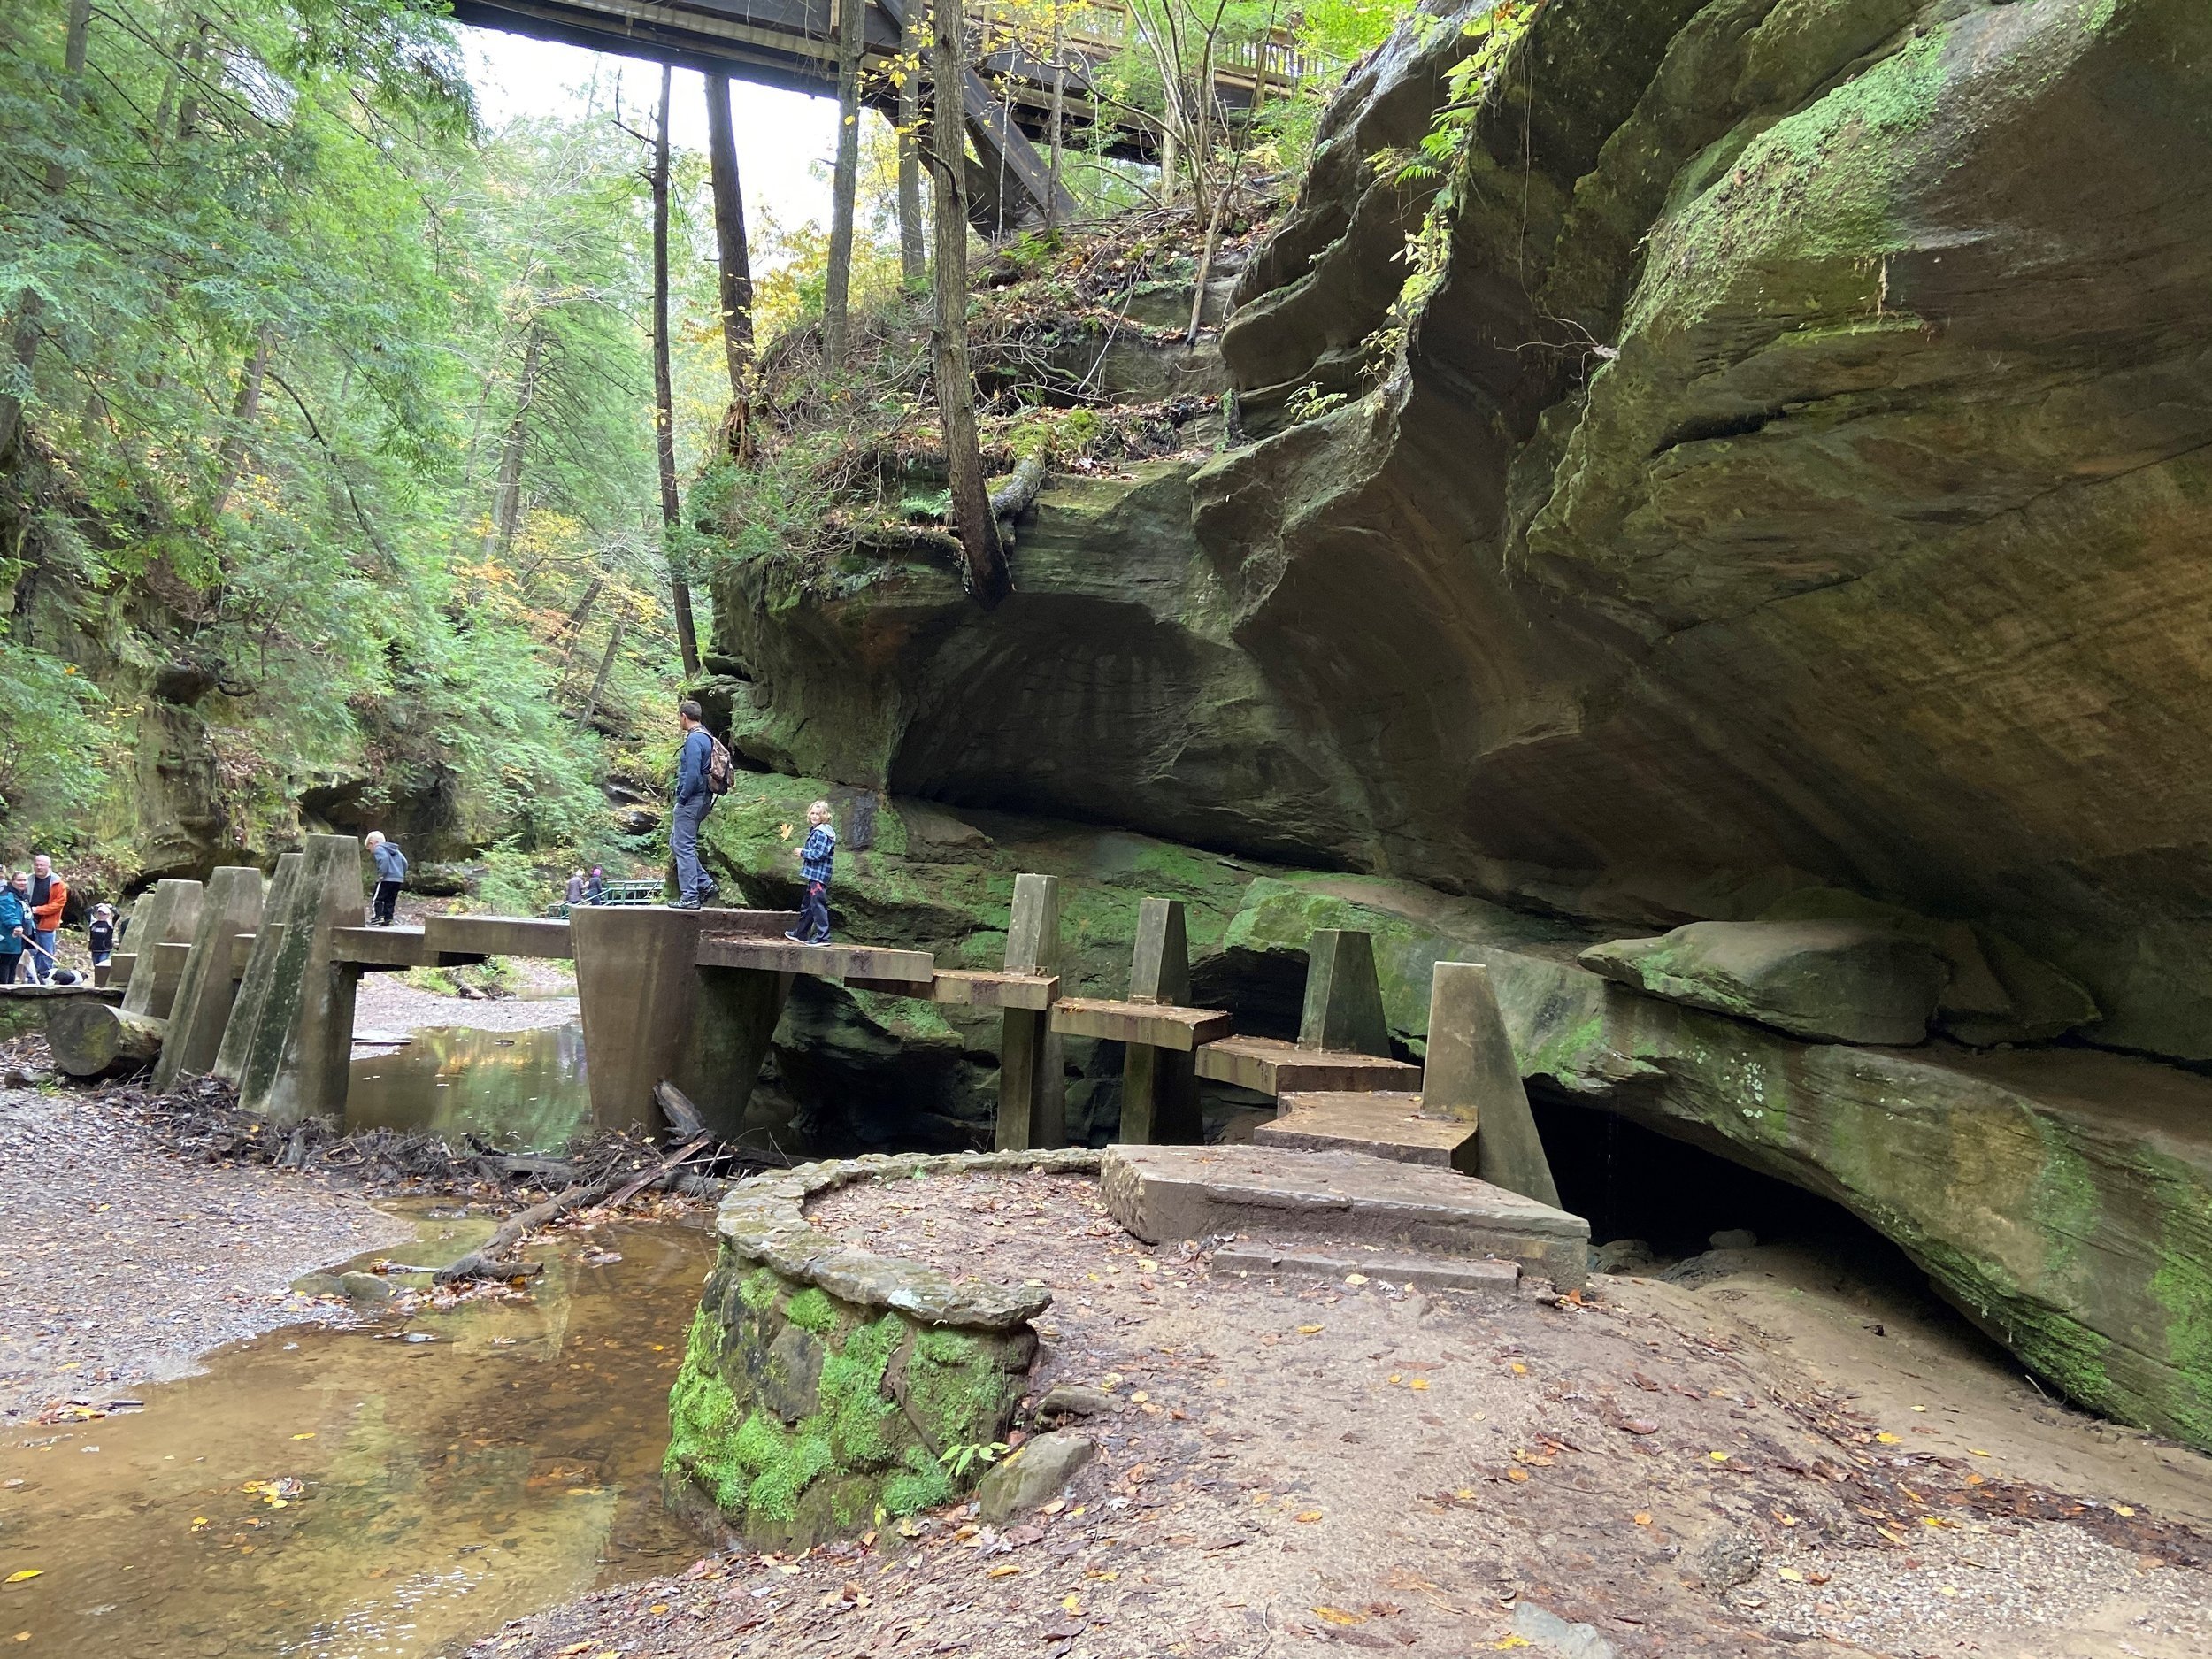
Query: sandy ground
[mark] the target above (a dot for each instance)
(1298, 1467)
(119, 1262)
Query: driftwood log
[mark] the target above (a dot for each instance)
(93, 1038)
(616, 1187)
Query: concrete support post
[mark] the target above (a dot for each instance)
(168, 916)
(253, 990)
(297, 1064)
(1159, 1087)
(1344, 1008)
(1473, 1077)
(1031, 1081)
(638, 988)
(231, 906)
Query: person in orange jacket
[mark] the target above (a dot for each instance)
(50, 897)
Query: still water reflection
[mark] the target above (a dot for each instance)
(349, 1493)
(523, 1091)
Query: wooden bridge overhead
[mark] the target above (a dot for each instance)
(793, 45)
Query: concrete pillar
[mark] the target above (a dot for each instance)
(1159, 1087)
(253, 990)
(296, 1061)
(1344, 1009)
(638, 985)
(231, 906)
(1031, 1078)
(168, 916)
(1473, 1077)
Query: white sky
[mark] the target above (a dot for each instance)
(779, 135)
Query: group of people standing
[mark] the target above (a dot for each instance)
(33, 903)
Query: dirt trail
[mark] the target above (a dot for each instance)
(1300, 1468)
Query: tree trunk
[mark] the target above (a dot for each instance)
(499, 535)
(606, 667)
(28, 304)
(836, 322)
(664, 402)
(729, 236)
(1059, 116)
(913, 253)
(91, 1039)
(245, 410)
(973, 521)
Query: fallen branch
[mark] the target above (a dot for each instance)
(485, 1263)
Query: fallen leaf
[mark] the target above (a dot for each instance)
(573, 1648)
(27, 1573)
(1503, 1642)
(1356, 1278)
(1309, 1330)
(1517, 1474)
(1887, 1437)
(1419, 1383)
(1640, 1425)
(1642, 1518)
(1308, 1515)
(1791, 1575)
(1520, 1370)
(2122, 1508)
(1718, 1458)
(1005, 1570)
(1337, 1615)
(1976, 1451)
(308, 1436)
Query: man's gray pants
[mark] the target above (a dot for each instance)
(683, 842)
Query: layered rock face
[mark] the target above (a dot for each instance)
(1800, 467)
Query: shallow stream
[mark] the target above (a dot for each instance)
(379, 1491)
(523, 1091)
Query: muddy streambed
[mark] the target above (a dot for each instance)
(522, 1091)
(374, 1491)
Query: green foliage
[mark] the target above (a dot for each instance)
(58, 736)
(811, 1310)
(958, 1460)
(298, 326)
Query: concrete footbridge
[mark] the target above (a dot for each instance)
(793, 45)
(254, 981)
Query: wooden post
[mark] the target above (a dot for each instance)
(1159, 1087)
(231, 906)
(1472, 1077)
(1343, 1010)
(253, 990)
(168, 915)
(298, 1062)
(1031, 1088)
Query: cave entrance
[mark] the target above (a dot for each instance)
(1633, 1182)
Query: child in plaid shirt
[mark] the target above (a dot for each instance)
(815, 859)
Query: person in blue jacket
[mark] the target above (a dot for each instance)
(817, 858)
(391, 875)
(15, 924)
(695, 799)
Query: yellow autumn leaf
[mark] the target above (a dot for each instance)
(2122, 1508)
(1517, 1474)
(1519, 1370)
(1309, 1330)
(1976, 1451)
(1789, 1575)
(1718, 1458)
(1073, 1603)
(308, 1436)
(1006, 1569)
(1887, 1437)
(1503, 1642)
(1308, 1515)
(1337, 1615)
(1419, 1383)
(1642, 1518)
(27, 1573)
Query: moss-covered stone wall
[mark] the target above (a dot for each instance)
(821, 1385)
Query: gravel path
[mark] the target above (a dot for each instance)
(119, 1262)
(1298, 1468)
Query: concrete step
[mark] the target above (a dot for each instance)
(1429, 1272)
(1159, 1024)
(1384, 1124)
(1164, 1194)
(1268, 1065)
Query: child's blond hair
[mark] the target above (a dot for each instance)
(820, 806)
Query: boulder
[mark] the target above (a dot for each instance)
(1076, 1400)
(1839, 982)
(1034, 1474)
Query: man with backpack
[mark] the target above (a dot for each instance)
(703, 770)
